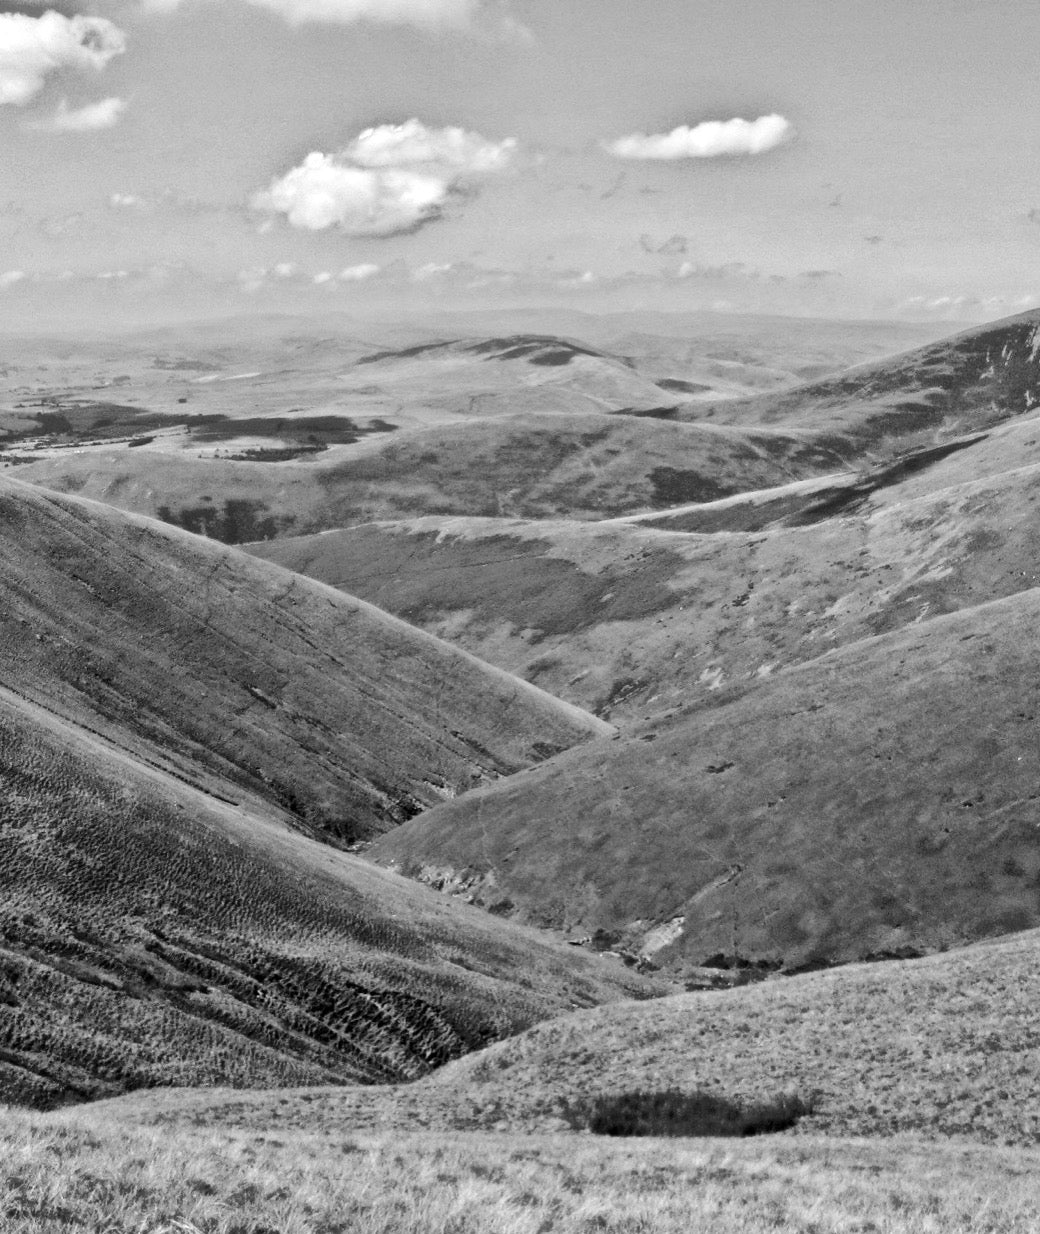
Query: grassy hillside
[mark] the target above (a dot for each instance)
(586, 466)
(943, 1047)
(103, 1173)
(154, 934)
(878, 798)
(970, 382)
(631, 617)
(214, 665)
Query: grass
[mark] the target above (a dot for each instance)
(90, 1173)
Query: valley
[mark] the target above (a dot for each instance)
(410, 731)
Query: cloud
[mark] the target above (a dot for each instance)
(358, 273)
(89, 119)
(412, 143)
(124, 201)
(31, 48)
(389, 180)
(708, 140)
(10, 277)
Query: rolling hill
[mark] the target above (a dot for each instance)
(153, 933)
(960, 385)
(878, 799)
(935, 1050)
(628, 617)
(235, 673)
(537, 465)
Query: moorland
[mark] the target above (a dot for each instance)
(416, 732)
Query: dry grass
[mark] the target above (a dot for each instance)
(941, 1047)
(92, 1174)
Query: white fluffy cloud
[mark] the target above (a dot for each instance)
(412, 143)
(428, 13)
(89, 119)
(389, 180)
(31, 48)
(10, 277)
(706, 140)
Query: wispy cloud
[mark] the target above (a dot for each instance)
(8, 278)
(89, 119)
(710, 139)
(32, 48)
(388, 180)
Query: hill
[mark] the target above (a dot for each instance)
(249, 680)
(964, 384)
(629, 617)
(942, 1047)
(878, 799)
(586, 466)
(152, 933)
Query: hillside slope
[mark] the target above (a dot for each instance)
(881, 798)
(631, 617)
(231, 671)
(944, 1048)
(151, 933)
(964, 384)
(586, 466)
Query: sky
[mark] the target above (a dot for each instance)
(836, 158)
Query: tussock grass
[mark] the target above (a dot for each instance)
(93, 1175)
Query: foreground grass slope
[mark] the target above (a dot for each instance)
(92, 1172)
(151, 934)
(944, 1047)
(245, 678)
(878, 798)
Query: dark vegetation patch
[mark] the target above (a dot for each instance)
(675, 1113)
(502, 578)
(238, 521)
(68, 422)
(647, 413)
(848, 499)
(804, 509)
(309, 430)
(405, 353)
(92, 420)
(275, 454)
(678, 486)
(682, 387)
(541, 349)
